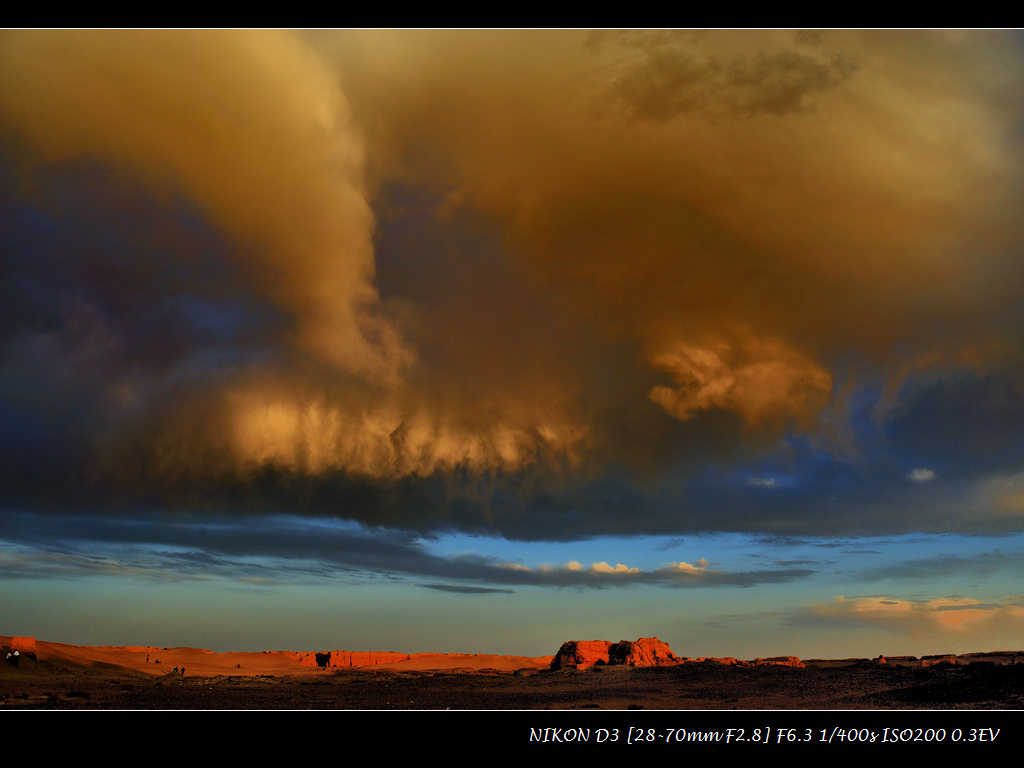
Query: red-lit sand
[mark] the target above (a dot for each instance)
(198, 662)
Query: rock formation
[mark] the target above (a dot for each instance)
(772, 661)
(645, 652)
(347, 658)
(580, 654)
(778, 661)
(943, 660)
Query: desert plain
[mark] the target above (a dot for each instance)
(56, 676)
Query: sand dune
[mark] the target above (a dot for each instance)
(157, 661)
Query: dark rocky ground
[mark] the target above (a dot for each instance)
(692, 686)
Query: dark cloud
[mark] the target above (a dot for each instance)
(433, 281)
(467, 590)
(964, 425)
(244, 547)
(665, 78)
(978, 566)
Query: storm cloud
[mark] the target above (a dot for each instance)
(543, 284)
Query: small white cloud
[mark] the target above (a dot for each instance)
(921, 475)
(770, 481)
(685, 568)
(605, 568)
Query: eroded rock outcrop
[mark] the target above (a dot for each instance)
(645, 652)
(580, 654)
(347, 658)
(364, 658)
(771, 661)
(949, 661)
(778, 661)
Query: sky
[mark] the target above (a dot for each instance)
(482, 341)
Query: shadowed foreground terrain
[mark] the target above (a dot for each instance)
(703, 686)
(73, 677)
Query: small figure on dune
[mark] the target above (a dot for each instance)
(182, 671)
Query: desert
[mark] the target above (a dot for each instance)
(56, 676)
(548, 372)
